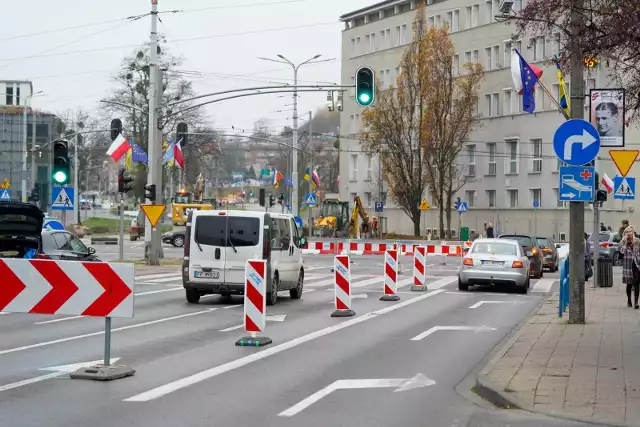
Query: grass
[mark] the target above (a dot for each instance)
(163, 262)
(112, 225)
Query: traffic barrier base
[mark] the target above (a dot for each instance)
(255, 304)
(103, 373)
(253, 341)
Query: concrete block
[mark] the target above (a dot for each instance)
(103, 373)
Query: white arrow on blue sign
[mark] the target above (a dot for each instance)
(576, 142)
(577, 184)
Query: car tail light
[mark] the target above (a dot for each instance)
(547, 250)
(517, 264)
(43, 256)
(467, 261)
(605, 244)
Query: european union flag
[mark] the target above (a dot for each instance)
(137, 154)
(529, 80)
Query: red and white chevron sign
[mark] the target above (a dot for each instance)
(67, 287)
(255, 295)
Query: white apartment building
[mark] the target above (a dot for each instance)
(511, 163)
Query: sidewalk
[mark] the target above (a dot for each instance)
(587, 372)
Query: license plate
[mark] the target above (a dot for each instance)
(207, 274)
(493, 263)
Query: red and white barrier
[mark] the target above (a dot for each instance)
(390, 276)
(67, 287)
(355, 248)
(419, 269)
(255, 303)
(342, 282)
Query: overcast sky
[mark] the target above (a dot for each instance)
(219, 39)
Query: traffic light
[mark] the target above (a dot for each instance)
(272, 200)
(116, 128)
(181, 133)
(150, 192)
(281, 199)
(35, 194)
(261, 196)
(365, 86)
(251, 194)
(61, 165)
(124, 181)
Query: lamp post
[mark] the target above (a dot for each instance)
(294, 173)
(23, 181)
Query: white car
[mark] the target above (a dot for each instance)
(218, 244)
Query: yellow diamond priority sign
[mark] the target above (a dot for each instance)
(424, 205)
(153, 213)
(624, 159)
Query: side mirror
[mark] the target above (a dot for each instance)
(558, 246)
(529, 253)
(91, 251)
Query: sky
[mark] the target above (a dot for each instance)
(70, 49)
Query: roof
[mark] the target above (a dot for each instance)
(371, 8)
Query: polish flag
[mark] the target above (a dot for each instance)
(607, 183)
(177, 153)
(118, 148)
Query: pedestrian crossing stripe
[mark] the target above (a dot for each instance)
(5, 195)
(624, 189)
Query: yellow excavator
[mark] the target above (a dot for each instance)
(335, 221)
(185, 201)
(365, 228)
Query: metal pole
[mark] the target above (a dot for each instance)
(576, 209)
(121, 228)
(76, 190)
(34, 176)
(294, 172)
(596, 210)
(535, 221)
(23, 181)
(107, 341)
(310, 149)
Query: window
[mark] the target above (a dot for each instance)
(512, 198)
(369, 167)
(354, 125)
(18, 95)
(296, 235)
(507, 54)
(487, 56)
(475, 14)
(227, 231)
(398, 36)
(471, 152)
(354, 167)
(468, 12)
(470, 196)
(494, 57)
(353, 47)
(430, 21)
(456, 65)
(403, 34)
(367, 197)
(488, 11)
(280, 234)
(512, 151)
(507, 102)
(9, 96)
(492, 159)
(476, 56)
(76, 245)
(467, 57)
(491, 195)
(398, 72)
(555, 44)
(559, 203)
(536, 151)
(476, 107)
(517, 6)
(536, 197)
(537, 44)
(358, 49)
(352, 90)
(495, 104)
(438, 21)
(367, 43)
(495, 5)
(455, 23)
(382, 40)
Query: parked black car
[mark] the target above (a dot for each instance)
(532, 250)
(62, 245)
(549, 253)
(175, 238)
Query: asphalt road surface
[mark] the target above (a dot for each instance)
(393, 364)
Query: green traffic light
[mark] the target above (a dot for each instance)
(60, 177)
(364, 98)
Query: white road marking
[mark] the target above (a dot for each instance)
(451, 328)
(478, 304)
(473, 293)
(4, 312)
(542, 285)
(367, 282)
(156, 276)
(238, 363)
(233, 306)
(272, 318)
(64, 319)
(95, 334)
(165, 280)
(140, 294)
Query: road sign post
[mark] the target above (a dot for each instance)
(462, 208)
(424, 207)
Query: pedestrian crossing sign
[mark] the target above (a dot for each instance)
(424, 205)
(62, 198)
(625, 188)
(5, 185)
(5, 195)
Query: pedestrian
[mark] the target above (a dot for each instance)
(630, 252)
(609, 228)
(602, 227)
(625, 224)
(489, 231)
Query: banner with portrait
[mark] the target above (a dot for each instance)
(607, 115)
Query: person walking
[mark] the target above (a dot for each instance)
(630, 252)
(490, 231)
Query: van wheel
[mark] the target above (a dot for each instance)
(193, 297)
(272, 296)
(296, 293)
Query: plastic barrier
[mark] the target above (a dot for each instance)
(255, 303)
(390, 276)
(563, 302)
(419, 270)
(342, 284)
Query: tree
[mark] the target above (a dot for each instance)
(419, 130)
(609, 32)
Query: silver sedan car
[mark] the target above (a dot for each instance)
(495, 262)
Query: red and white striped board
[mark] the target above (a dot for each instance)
(255, 296)
(73, 288)
(419, 269)
(358, 248)
(390, 276)
(342, 281)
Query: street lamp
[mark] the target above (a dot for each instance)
(294, 173)
(23, 182)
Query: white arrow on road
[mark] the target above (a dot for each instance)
(428, 332)
(478, 304)
(273, 318)
(57, 371)
(400, 384)
(586, 139)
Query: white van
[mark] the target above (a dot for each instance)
(218, 244)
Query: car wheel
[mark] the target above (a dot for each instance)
(522, 289)
(462, 286)
(272, 295)
(296, 293)
(178, 241)
(193, 296)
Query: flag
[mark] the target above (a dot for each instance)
(563, 97)
(128, 164)
(277, 177)
(524, 79)
(315, 180)
(137, 154)
(168, 155)
(118, 148)
(607, 183)
(177, 154)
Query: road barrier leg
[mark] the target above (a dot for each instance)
(342, 285)
(255, 303)
(419, 270)
(390, 276)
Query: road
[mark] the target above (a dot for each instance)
(408, 357)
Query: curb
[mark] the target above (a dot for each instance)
(104, 240)
(492, 393)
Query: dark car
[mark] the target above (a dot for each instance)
(175, 238)
(549, 253)
(20, 229)
(62, 245)
(609, 243)
(532, 250)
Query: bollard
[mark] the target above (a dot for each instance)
(342, 285)
(419, 270)
(255, 303)
(390, 276)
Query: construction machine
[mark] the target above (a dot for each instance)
(332, 221)
(365, 228)
(185, 201)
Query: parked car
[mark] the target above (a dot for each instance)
(175, 238)
(495, 262)
(62, 245)
(609, 242)
(551, 260)
(532, 251)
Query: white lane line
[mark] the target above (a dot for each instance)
(238, 363)
(64, 319)
(442, 282)
(95, 334)
(165, 280)
(3, 313)
(155, 276)
(306, 291)
(474, 293)
(451, 328)
(233, 306)
(367, 282)
(233, 328)
(480, 303)
(543, 285)
(140, 294)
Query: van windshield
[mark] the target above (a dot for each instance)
(227, 231)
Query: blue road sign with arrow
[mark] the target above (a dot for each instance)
(577, 184)
(462, 207)
(52, 224)
(624, 187)
(576, 142)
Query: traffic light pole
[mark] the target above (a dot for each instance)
(121, 240)
(76, 190)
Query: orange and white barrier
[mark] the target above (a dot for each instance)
(255, 303)
(419, 269)
(342, 284)
(355, 248)
(390, 276)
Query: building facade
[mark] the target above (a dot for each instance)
(511, 166)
